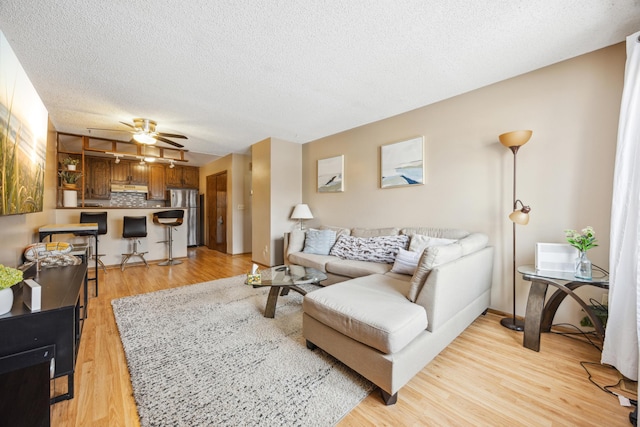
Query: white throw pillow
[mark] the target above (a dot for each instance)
(419, 242)
(296, 241)
(406, 262)
(319, 242)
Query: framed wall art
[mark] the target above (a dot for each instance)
(331, 175)
(23, 138)
(402, 163)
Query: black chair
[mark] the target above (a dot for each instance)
(169, 219)
(101, 219)
(133, 228)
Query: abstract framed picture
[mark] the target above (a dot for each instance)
(331, 175)
(23, 138)
(402, 163)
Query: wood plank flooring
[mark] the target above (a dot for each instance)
(484, 378)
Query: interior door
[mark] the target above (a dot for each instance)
(217, 212)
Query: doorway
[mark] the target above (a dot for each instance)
(217, 212)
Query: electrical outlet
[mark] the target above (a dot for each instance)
(605, 298)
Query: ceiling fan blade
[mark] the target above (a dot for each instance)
(168, 141)
(172, 135)
(127, 124)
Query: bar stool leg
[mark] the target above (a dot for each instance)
(94, 256)
(170, 261)
(134, 253)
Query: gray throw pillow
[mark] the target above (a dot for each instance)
(319, 241)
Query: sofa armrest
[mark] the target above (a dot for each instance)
(452, 286)
(285, 248)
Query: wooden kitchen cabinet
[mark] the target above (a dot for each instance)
(157, 188)
(97, 180)
(183, 177)
(129, 172)
(190, 177)
(120, 172)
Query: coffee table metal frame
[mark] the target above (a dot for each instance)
(283, 279)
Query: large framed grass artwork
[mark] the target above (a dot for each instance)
(331, 175)
(23, 138)
(402, 163)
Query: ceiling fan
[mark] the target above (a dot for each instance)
(144, 132)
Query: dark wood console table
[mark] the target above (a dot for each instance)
(59, 321)
(539, 316)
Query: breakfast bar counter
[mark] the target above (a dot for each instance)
(113, 245)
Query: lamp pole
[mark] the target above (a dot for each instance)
(513, 141)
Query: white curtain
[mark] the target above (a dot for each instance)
(623, 326)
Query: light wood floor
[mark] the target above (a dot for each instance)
(484, 378)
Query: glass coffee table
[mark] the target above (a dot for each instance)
(284, 279)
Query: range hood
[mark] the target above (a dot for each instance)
(126, 188)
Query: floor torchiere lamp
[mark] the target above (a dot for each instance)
(513, 141)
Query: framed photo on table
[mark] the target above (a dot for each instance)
(402, 163)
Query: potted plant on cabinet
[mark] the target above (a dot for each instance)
(69, 178)
(8, 277)
(70, 163)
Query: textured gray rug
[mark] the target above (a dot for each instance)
(204, 355)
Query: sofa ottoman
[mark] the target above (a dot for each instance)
(383, 318)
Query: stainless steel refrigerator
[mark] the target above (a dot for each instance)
(188, 199)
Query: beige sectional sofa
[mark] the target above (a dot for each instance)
(388, 326)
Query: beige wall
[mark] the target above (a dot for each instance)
(286, 191)
(261, 201)
(564, 172)
(18, 231)
(238, 200)
(276, 189)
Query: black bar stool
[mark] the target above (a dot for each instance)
(101, 219)
(133, 228)
(169, 219)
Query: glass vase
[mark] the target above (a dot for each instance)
(583, 266)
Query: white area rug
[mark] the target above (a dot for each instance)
(204, 355)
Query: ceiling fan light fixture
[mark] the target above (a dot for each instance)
(144, 138)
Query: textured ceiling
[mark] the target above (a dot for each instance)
(230, 73)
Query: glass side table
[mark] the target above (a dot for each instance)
(539, 316)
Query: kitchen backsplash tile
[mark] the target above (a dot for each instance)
(128, 200)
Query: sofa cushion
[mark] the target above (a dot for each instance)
(432, 257)
(353, 268)
(375, 232)
(319, 242)
(406, 262)
(446, 233)
(372, 310)
(312, 260)
(419, 242)
(438, 255)
(340, 231)
(375, 249)
(473, 243)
